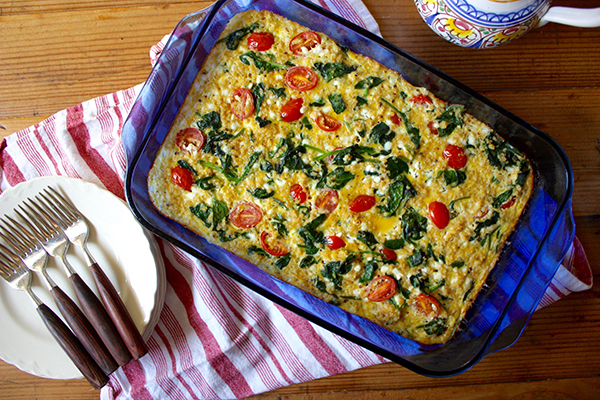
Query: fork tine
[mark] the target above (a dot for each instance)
(17, 235)
(65, 204)
(59, 216)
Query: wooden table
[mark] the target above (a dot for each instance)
(58, 53)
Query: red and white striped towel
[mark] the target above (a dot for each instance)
(215, 338)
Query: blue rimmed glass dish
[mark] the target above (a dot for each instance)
(514, 287)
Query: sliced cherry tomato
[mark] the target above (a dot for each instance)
(242, 103)
(273, 246)
(260, 41)
(456, 156)
(439, 214)
(245, 215)
(427, 305)
(292, 110)
(190, 140)
(327, 123)
(396, 119)
(389, 254)
(422, 100)
(327, 200)
(432, 128)
(298, 193)
(509, 203)
(362, 203)
(335, 242)
(381, 288)
(307, 40)
(301, 78)
(184, 178)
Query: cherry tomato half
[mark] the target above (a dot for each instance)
(301, 78)
(292, 110)
(509, 203)
(432, 128)
(422, 100)
(242, 103)
(327, 123)
(439, 214)
(427, 305)
(307, 40)
(381, 288)
(184, 178)
(190, 140)
(456, 156)
(245, 215)
(260, 41)
(273, 246)
(327, 200)
(362, 203)
(396, 119)
(298, 193)
(389, 254)
(335, 242)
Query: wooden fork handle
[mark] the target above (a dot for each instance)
(84, 331)
(118, 313)
(100, 320)
(72, 347)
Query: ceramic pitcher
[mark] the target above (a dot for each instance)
(488, 23)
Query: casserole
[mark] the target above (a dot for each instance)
(514, 287)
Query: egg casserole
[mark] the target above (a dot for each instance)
(331, 172)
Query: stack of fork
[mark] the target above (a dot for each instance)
(102, 335)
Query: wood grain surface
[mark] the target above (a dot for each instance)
(58, 53)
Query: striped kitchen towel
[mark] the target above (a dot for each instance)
(215, 338)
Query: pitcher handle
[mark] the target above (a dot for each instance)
(581, 17)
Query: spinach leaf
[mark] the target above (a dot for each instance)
(381, 134)
(435, 327)
(337, 103)
(502, 198)
(480, 225)
(335, 270)
(453, 116)
(361, 101)
(454, 177)
(394, 244)
(253, 158)
(414, 226)
(233, 39)
(500, 153)
(413, 132)
(279, 92)
(367, 238)
(258, 250)
(209, 120)
(524, 171)
(185, 165)
(453, 213)
(458, 264)
(258, 92)
(338, 178)
(317, 103)
(224, 237)
(220, 212)
(330, 71)
(263, 65)
(307, 261)
(203, 212)
(417, 258)
(368, 83)
(283, 262)
(261, 193)
(369, 273)
(396, 166)
(399, 192)
(313, 239)
(205, 184)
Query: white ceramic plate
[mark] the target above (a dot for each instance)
(124, 250)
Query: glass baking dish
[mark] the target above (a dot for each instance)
(514, 287)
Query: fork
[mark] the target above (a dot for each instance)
(54, 241)
(76, 229)
(35, 258)
(16, 274)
